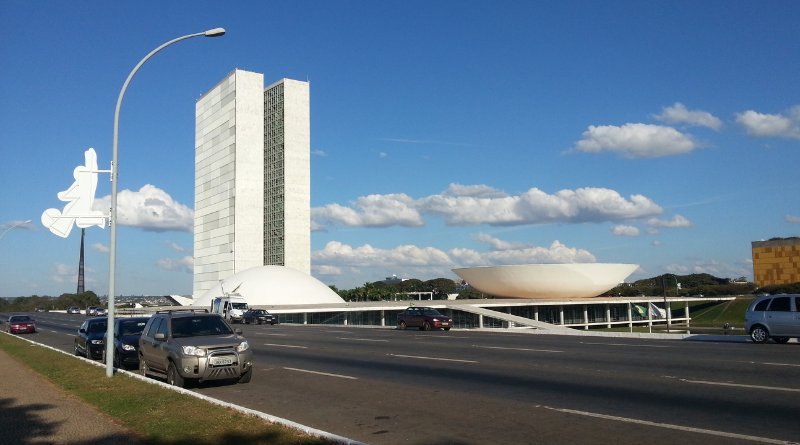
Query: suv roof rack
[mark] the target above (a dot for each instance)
(170, 311)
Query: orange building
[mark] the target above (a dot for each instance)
(776, 261)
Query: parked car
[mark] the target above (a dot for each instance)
(126, 341)
(41, 309)
(73, 310)
(776, 317)
(425, 318)
(17, 324)
(89, 340)
(100, 312)
(91, 310)
(258, 316)
(193, 345)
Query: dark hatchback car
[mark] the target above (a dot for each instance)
(17, 324)
(126, 341)
(89, 341)
(258, 316)
(424, 318)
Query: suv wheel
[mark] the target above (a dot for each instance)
(173, 378)
(403, 325)
(245, 378)
(759, 334)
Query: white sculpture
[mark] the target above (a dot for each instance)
(80, 197)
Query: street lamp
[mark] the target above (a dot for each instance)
(112, 221)
(15, 225)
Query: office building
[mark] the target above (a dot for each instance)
(252, 178)
(776, 261)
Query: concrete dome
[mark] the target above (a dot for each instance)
(272, 285)
(546, 281)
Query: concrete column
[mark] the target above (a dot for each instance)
(345, 318)
(561, 314)
(305, 318)
(585, 317)
(630, 316)
(536, 313)
(608, 316)
(480, 321)
(686, 313)
(383, 318)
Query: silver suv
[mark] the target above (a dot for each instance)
(193, 345)
(775, 316)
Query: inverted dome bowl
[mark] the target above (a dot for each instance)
(546, 281)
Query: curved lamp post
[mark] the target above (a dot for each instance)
(112, 221)
(15, 225)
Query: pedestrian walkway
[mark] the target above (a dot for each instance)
(34, 411)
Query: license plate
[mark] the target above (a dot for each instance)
(222, 361)
(445, 324)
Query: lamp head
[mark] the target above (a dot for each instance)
(216, 32)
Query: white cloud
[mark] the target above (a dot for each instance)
(676, 221)
(21, 226)
(634, 141)
(622, 230)
(474, 205)
(326, 270)
(319, 153)
(64, 273)
(771, 125)
(792, 219)
(382, 155)
(336, 253)
(651, 231)
(373, 211)
(678, 113)
(151, 209)
(186, 264)
(677, 269)
(498, 244)
(99, 247)
(317, 227)
(657, 243)
(557, 253)
(721, 270)
(177, 247)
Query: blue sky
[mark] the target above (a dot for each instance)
(445, 134)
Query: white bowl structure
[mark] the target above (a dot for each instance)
(272, 286)
(546, 281)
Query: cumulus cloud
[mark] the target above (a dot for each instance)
(185, 264)
(792, 219)
(98, 247)
(657, 243)
(319, 153)
(498, 244)
(651, 231)
(64, 273)
(474, 205)
(317, 227)
(676, 221)
(771, 125)
(678, 114)
(382, 155)
(622, 230)
(635, 141)
(177, 247)
(151, 209)
(326, 270)
(722, 270)
(337, 255)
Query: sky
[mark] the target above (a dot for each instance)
(444, 134)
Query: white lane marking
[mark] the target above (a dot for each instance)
(264, 333)
(774, 364)
(340, 332)
(739, 385)
(323, 373)
(516, 349)
(625, 344)
(672, 427)
(360, 339)
(433, 358)
(440, 336)
(285, 346)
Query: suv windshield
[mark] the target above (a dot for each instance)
(131, 327)
(197, 326)
(242, 306)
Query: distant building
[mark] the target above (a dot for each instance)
(393, 279)
(776, 261)
(252, 178)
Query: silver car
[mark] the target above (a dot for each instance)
(775, 316)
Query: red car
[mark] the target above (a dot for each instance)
(18, 324)
(424, 318)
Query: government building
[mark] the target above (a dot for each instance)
(252, 178)
(776, 261)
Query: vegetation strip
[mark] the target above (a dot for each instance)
(161, 417)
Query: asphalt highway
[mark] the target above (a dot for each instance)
(387, 386)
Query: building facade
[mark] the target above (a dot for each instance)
(776, 261)
(252, 178)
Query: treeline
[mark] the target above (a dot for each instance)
(29, 304)
(694, 284)
(380, 291)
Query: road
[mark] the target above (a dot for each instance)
(386, 386)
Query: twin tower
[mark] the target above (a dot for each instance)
(252, 178)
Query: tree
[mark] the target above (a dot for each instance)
(441, 287)
(471, 294)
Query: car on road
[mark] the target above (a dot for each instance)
(73, 310)
(17, 324)
(126, 341)
(193, 345)
(89, 340)
(776, 317)
(91, 311)
(258, 316)
(99, 312)
(425, 318)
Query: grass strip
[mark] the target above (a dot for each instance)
(157, 415)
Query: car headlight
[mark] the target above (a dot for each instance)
(191, 350)
(243, 346)
(97, 342)
(128, 347)
(435, 319)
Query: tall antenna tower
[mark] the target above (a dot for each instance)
(80, 265)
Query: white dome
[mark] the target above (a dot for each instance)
(547, 281)
(272, 285)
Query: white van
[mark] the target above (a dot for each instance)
(231, 307)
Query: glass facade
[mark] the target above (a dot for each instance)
(274, 177)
